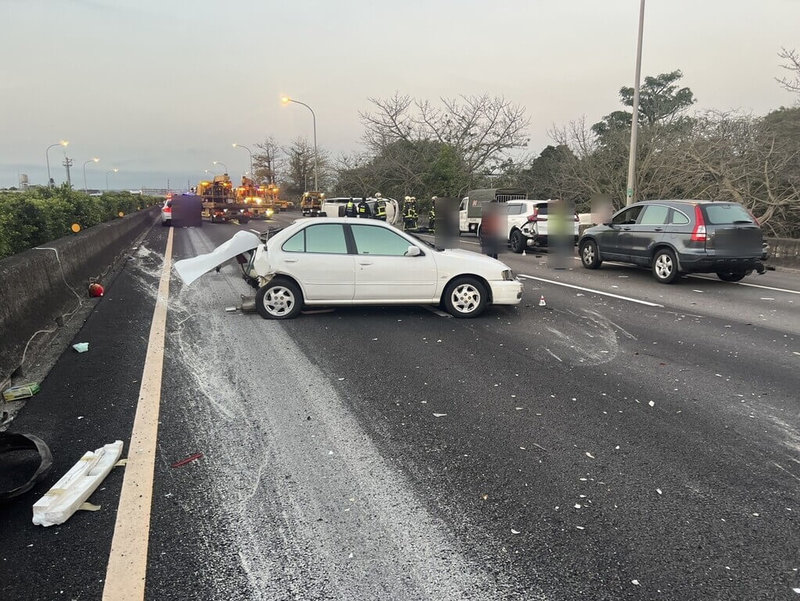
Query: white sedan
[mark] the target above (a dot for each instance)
(348, 261)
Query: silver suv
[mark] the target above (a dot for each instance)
(678, 236)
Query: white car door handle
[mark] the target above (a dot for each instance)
(291, 260)
(365, 262)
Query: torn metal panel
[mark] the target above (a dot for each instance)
(191, 269)
(71, 491)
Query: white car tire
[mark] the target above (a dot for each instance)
(280, 299)
(465, 297)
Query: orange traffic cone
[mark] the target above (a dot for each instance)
(542, 302)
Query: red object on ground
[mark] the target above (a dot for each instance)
(96, 290)
(189, 459)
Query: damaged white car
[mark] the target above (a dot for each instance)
(348, 261)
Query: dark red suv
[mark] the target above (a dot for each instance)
(678, 236)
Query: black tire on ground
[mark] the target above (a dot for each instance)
(279, 299)
(665, 266)
(167, 222)
(465, 297)
(590, 256)
(731, 276)
(517, 241)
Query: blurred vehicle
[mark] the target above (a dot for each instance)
(166, 212)
(679, 236)
(344, 261)
(471, 207)
(527, 221)
(335, 207)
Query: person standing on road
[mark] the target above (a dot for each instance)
(350, 208)
(363, 208)
(489, 230)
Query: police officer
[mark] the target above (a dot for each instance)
(350, 208)
(363, 208)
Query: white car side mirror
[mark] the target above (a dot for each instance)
(413, 251)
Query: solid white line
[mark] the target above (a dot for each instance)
(711, 279)
(127, 561)
(625, 298)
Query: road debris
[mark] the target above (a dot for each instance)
(81, 347)
(21, 391)
(189, 459)
(73, 489)
(439, 415)
(18, 476)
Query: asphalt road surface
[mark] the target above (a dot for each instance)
(628, 440)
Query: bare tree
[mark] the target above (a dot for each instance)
(480, 128)
(268, 161)
(792, 65)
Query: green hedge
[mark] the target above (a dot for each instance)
(40, 215)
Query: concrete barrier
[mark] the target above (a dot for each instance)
(784, 252)
(34, 295)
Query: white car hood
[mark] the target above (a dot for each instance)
(191, 269)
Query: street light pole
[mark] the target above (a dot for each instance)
(252, 175)
(635, 117)
(114, 170)
(92, 160)
(223, 165)
(47, 159)
(287, 100)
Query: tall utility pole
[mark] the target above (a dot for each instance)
(68, 163)
(635, 118)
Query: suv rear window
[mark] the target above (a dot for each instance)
(726, 214)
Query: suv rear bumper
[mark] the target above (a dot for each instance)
(706, 264)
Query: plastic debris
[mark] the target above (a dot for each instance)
(81, 347)
(514, 531)
(658, 490)
(96, 290)
(230, 309)
(189, 459)
(542, 302)
(439, 415)
(589, 455)
(652, 404)
(71, 491)
(22, 391)
(635, 582)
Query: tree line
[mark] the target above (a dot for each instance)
(418, 148)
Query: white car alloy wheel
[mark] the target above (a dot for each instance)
(465, 297)
(279, 299)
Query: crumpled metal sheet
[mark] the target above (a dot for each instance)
(191, 269)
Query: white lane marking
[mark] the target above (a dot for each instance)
(711, 279)
(127, 561)
(593, 291)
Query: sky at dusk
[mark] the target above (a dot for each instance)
(161, 89)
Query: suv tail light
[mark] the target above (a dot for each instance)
(699, 232)
(534, 216)
(168, 209)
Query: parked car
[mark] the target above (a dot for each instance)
(166, 212)
(526, 222)
(678, 236)
(348, 261)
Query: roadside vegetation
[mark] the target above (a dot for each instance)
(39, 215)
(419, 148)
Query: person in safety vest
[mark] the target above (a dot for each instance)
(410, 213)
(350, 208)
(380, 210)
(363, 208)
(432, 217)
